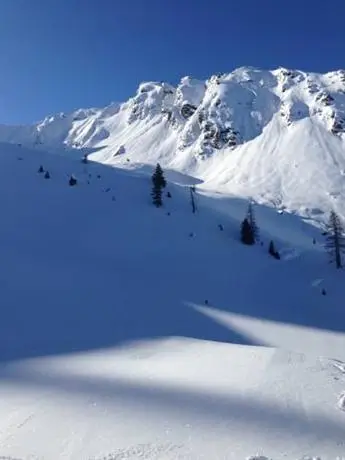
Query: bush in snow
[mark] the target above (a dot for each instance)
(72, 181)
(168, 195)
(47, 175)
(272, 250)
(40, 169)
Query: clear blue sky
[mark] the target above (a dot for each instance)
(57, 55)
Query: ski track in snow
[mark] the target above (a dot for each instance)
(147, 451)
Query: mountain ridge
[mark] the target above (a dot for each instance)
(289, 124)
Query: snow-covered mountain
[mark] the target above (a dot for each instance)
(133, 332)
(276, 136)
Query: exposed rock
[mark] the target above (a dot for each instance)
(167, 114)
(201, 117)
(218, 137)
(338, 126)
(187, 110)
(325, 98)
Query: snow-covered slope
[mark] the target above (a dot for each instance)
(108, 347)
(276, 136)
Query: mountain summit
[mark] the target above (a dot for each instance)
(275, 136)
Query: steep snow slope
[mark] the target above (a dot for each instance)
(108, 349)
(277, 136)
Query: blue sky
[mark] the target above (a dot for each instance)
(57, 55)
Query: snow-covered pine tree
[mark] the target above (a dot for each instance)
(252, 222)
(335, 239)
(247, 236)
(159, 183)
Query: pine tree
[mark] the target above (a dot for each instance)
(159, 183)
(40, 169)
(157, 196)
(247, 236)
(47, 175)
(252, 222)
(158, 176)
(335, 240)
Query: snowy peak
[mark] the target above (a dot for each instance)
(148, 101)
(224, 111)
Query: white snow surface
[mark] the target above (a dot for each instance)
(108, 348)
(275, 136)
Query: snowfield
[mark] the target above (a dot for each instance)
(108, 349)
(131, 332)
